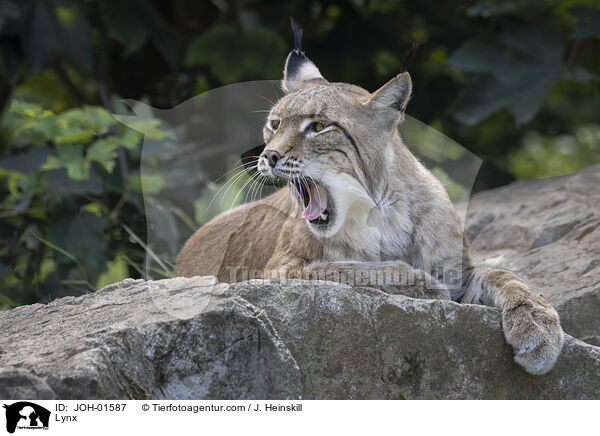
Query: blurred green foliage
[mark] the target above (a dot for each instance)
(515, 82)
(65, 201)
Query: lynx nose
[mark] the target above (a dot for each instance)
(272, 157)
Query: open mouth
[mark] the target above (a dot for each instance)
(315, 200)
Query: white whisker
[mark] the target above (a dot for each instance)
(230, 182)
(267, 99)
(258, 188)
(262, 186)
(242, 188)
(246, 165)
(253, 187)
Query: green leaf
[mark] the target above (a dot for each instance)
(485, 95)
(588, 23)
(94, 118)
(74, 136)
(515, 72)
(70, 156)
(27, 162)
(51, 163)
(105, 152)
(148, 183)
(30, 237)
(124, 24)
(81, 239)
(23, 202)
(58, 180)
(6, 302)
(150, 127)
(232, 56)
(68, 256)
(130, 139)
(47, 267)
(37, 131)
(456, 191)
(95, 208)
(25, 108)
(116, 270)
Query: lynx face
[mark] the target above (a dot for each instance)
(329, 141)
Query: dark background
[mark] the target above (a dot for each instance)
(514, 82)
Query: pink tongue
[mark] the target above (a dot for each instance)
(317, 204)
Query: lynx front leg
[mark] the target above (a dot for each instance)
(531, 325)
(394, 277)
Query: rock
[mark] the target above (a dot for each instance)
(120, 343)
(547, 231)
(21, 384)
(193, 338)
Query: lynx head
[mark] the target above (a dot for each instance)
(332, 141)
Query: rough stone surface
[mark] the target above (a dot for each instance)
(547, 231)
(194, 338)
(190, 338)
(123, 342)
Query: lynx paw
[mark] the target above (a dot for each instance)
(536, 335)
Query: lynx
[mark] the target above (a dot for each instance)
(359, 206)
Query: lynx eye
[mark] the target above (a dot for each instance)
(313, 128)
(274, 124)
(318, 126)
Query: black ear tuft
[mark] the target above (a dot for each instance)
(297, 56)
(299, 71)
(297, 36)
(408, 56)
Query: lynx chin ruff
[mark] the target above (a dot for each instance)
(358, 207)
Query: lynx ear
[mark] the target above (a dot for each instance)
(393, 95)
(299, 71)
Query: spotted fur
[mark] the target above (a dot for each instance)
(389, 214)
